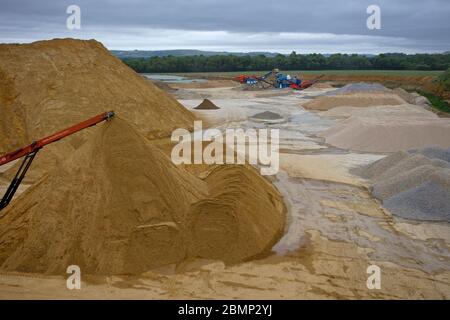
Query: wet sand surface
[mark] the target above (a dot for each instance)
(335, 228)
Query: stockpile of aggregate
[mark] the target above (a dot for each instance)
(206, 105)
(358, 87)
(47, 86)
(115, 206)
(404, 111)
(242, 218)
(112, 202)
(357, 99)
(411, 184)
(388, 135)
(434, 153)
(119, 206)
(267, 115)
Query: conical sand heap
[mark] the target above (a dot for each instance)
(112, 202)
(242, 218)
(116, 206)
(49, 85)
(206, 105)
(119, 206)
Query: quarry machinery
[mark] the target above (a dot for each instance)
(29, 152)
(277, 80)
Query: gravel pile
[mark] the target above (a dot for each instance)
(358, 87)
(267, 117)
(435, 153)
(429, 201)
(379, 167)
(206, 105)
(412, 185)
(388, 187)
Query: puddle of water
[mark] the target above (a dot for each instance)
(170, 78)
(348, 213)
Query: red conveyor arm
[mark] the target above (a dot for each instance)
(19, 153)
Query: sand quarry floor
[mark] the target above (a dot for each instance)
(335, 228)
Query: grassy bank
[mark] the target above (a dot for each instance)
(437, 102)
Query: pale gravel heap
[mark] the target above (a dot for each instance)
(412, 185)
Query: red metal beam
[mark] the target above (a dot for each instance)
(54, 137)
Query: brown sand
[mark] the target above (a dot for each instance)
(404, 111)
(206, 105)
(324, 103)
(322, 85)
(242, 218)
(116, 206)
(163, 86)
(378, 135)
(49, 85)
(326, 167)
(119, 206)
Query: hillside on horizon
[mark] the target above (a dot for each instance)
(182, 53)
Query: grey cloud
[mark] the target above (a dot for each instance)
(424, 23)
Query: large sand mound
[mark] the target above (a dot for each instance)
(49, 85)
(116, 206)
(324, 103)
(383, 135)
(119, 205)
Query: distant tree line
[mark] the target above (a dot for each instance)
(294, 61)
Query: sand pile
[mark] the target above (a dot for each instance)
(163, 86)
(206, 105)
(242, 218)
(412, 185)
(429, 201)
(324, 103)
(49, 85)
(381, 112)
(321, 85)
(267, 116)
(383, 135)
(405, 95)
(116, 206)
(413, 98)
(119, 206)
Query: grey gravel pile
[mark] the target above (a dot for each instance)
(390, 186)
(267, 115)
(357, 87)
(379, 167)
(429, 201)
(435, 152)
(413, 185)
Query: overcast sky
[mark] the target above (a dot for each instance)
(236, 25)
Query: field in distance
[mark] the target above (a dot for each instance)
(393, 73)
